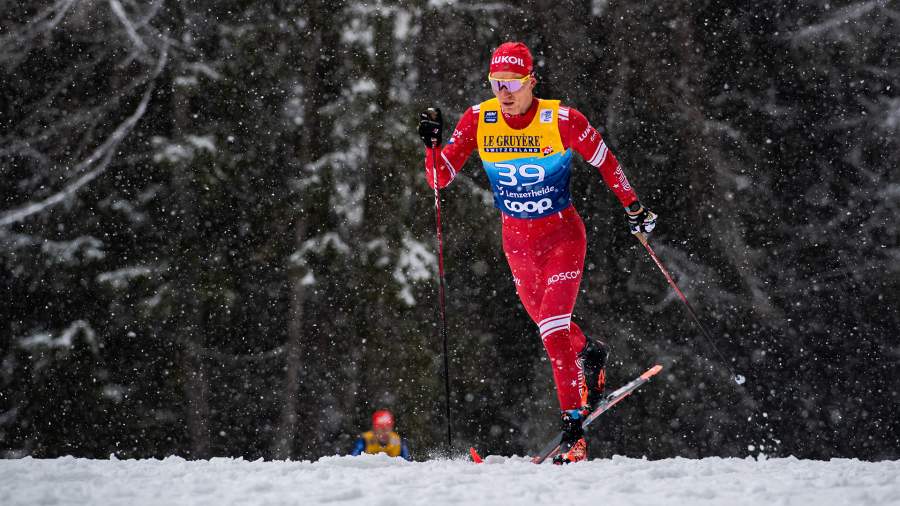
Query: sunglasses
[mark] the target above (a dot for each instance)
(510, 85)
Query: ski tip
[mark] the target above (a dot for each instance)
(652, 372)
(475, 457)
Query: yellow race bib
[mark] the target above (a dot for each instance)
(529, 169)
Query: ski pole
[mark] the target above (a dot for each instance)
(443, 309)
(643, 239)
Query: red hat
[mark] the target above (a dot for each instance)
(512, 57)
(383, 419)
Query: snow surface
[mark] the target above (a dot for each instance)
(381, 480)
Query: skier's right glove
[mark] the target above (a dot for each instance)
(431, 127)
(640, 219)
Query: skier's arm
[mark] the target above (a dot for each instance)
(588, 142)
(359, 447)
(404, 450)
(452, 156)
(585, 139)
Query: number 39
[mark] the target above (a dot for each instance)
(527, 171)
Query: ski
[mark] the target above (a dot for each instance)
(611, 400)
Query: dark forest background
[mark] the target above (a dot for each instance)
(216, 238)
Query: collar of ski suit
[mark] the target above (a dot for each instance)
(520, 121)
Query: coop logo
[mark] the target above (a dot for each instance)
(490, 116)
(528, 207)
(563, 276)
(512, 60)
(547, 150)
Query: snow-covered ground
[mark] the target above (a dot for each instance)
(380, 480)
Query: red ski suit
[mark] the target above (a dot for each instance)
(546, 254)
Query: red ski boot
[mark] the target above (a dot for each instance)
(573, 447)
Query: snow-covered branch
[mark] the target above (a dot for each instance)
(43, 22)
(245, 358)
(839, 18)
(65, 340)
(130, 29)
(120, 278)
(101, 157)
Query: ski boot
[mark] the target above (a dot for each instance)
(573, 447)
(593, 359)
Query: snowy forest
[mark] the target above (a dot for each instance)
(216, 238)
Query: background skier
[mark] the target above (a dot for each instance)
(381, 438)
(526, 145)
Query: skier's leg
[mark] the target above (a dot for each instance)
(577, 337)
(528, 265)
(525, 272)
(561, 277)
(563, 341)
(546, 260)
(525, 267)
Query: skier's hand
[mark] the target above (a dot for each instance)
(431, 127)
(640, 219)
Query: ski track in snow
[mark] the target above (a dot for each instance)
(384, 481)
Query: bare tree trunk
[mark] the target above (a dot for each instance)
(188, 302)
(196, 392)
(283, 442)
(380, 177)
(310, 148)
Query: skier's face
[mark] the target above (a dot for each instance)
(383, 434)
(514, 102)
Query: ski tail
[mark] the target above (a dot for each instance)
(549, 449)
(552, 448)
(475, 457)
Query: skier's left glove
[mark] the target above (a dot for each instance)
(431, 127)
(640, 219)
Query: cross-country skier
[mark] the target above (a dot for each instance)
(382, 438)
(525, 144)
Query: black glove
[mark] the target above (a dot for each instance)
(640, 219)
(431, 127)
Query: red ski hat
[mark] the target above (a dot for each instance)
(512, 57)
(383, 419)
